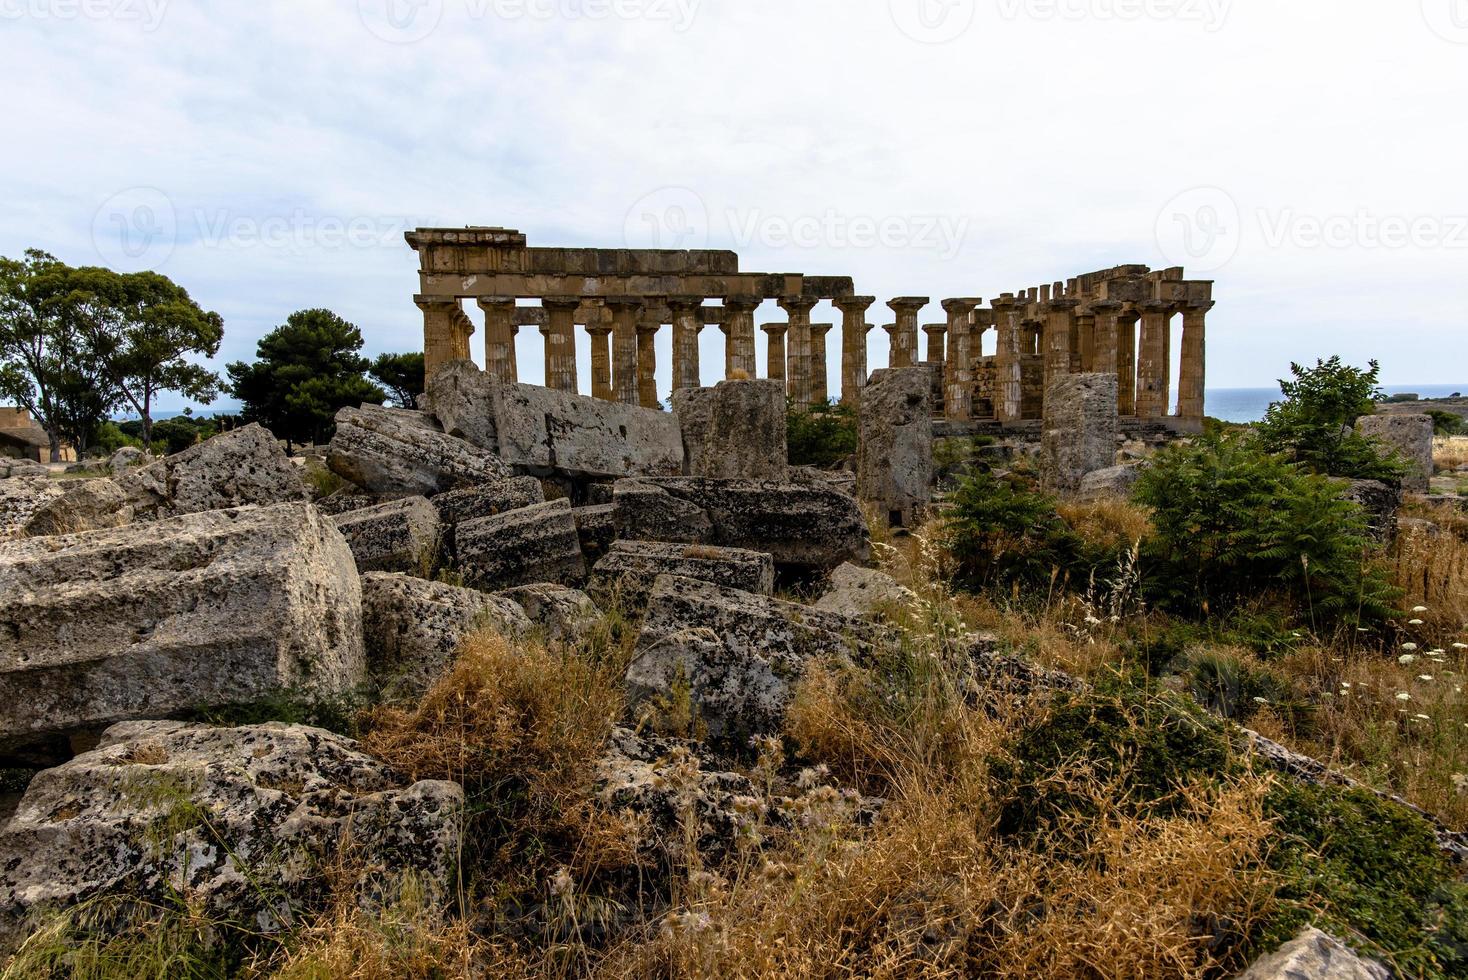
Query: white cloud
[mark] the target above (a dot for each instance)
(1052, 132)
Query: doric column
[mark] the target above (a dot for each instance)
(647, 360)
(1153, 356)
(440, 330)
(739, 357)
(626, 311)
(1126, 360)
(775, 350)
(854, 329)
(905, 330)
(1059, 315)
(463, 331)
(601, 359)
(820, 384)
(499, 337)
(1191, 373)
(687, 324)
(958, 370)
(797, 352)
(1009, 314)
(560, 342)
(1103, 343)
(1084, 333)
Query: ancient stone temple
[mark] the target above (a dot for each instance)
(1118, 321)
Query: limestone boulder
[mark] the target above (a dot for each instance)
(1410, 437)
(864, 592)
(1380, 503)
(21, 467)
(1080, 429)
(803, 525)
(627, 573)
(126, 458)
(391, 450)
(1111, 483)
(86, 505)
(412, 629)
(235, 821)
(521, 547)
(561, 614)
(894, 459)
(645, 512)
(734, 430)
(1313, 955)
(245, 466)
(488, 499)
(728, 694)
(398, 536)
(21, 497)
(596, 525)
(147, 621)
(461, 398)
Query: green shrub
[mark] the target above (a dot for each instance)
(110, 438)
(1361, 867)
(1447, 423)
(1232, 687)
(824, 435)
(1314, 424)
(1002, 532)
(1234, 523)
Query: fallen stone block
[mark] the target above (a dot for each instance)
(864, 592)
(803, 525)
(649, 513)
(412, 629)
(563, 615)
(21, 467)
(627, 573)
(693, 678)
(597, 527)
(1381, 504)
(894, 459)
(488, 499)
(1113, 482)
(734, 430)
(21, 497)
(398, 536)
(245, 466)
(1313, 955)
(389, 450)
(147, 621)
(237, 822)
(521, 547)
(126, 458)
(87, 505)
(544, 431)
(1410, 437)
(1080, 429)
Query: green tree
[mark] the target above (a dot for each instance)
(401, 375)
(1315, 423)
(823, 435)
(47, 365)
(142, 328)
(1234, 523)
(1002, 532)
(307, 370)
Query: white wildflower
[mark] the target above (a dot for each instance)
(1403, 696)
(1406, 659)
(1409, 646)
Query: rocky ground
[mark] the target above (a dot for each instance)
(527, 683)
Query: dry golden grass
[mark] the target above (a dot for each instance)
(1109, 523)
(1449, 452)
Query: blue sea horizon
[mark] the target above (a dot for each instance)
(1250, 404)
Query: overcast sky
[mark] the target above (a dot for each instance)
(1311, 156)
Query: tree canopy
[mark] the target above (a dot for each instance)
(1314, 425)
(306, 371)
(402, 375)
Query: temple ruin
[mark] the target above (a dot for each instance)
(1117, 321)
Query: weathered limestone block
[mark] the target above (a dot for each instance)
(1080, 429)
(1113, 481)
(805, 525)
(894, 459)
(126, 458)
(275, 803)
(245, 466)
(412, 629)
(87, 505)
(351, 497)
(220, 607)
(1313, 955)
(21, 497)
(563, 615)
(630, 567)
(390, 450)
(1410, 437)
(843, 480)
(544, 431)
(649, 513)
(398, 536)
(734, 430)
(596, 525)
(488, 499)
(1381, 504)
(521, 547)
(865, 592)
(21, 467)
(730, 696)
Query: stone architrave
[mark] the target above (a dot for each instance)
(894, 460)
